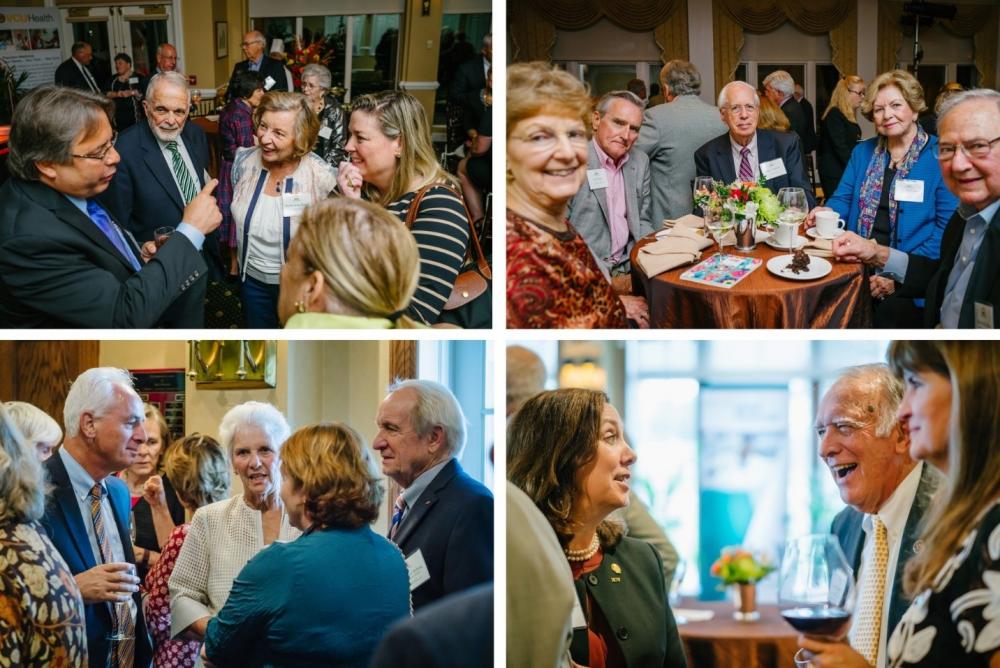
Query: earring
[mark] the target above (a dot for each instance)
(300, 307)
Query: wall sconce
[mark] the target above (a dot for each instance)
(425, 8)
(584, 374)
(233, 365)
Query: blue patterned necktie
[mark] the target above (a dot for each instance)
(106, 225)
(397, 516)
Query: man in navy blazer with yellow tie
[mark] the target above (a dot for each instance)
(746, 152)
(87, 512)
(443, 519)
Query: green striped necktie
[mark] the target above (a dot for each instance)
(181, 173)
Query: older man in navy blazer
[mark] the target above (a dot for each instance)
(746, 152)
(442, 520)
(87, 512)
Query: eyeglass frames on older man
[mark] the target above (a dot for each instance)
(100, 154)
(976, 149)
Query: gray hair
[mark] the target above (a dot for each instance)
(525, 376)
(877, 381)
(78, 47)
(258, 36)
(488, 40)
(436, 407)
(94, 392)
(35, 425)
(258, 414)
(681, 77)
(22, 479)
(322, 74)
(724, 93)
(159, 49)
(168, 78)
(955, 100)
(781, 81)
(628, 96)
(46, 124)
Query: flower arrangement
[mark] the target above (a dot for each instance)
(739, 566)
(741, 199)
(319, 52)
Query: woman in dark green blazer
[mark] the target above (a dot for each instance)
(567, 451)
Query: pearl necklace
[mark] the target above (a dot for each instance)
(584, 554)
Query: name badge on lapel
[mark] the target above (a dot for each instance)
(597, 178)
(984, 315)
(293, 204)
(133, 80)
(268, 83)
(417, 567)
(908, 190)
(772, 169)
(325, 131)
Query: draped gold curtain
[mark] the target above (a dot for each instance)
(532, 36)
(672, 35)
(976, 21)
(838, 18)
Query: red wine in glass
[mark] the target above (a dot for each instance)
(822, 620)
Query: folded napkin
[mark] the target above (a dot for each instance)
(690, 220)
(819, 247)
(668, 253)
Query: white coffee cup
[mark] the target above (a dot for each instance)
(785, 233)
(829, 224)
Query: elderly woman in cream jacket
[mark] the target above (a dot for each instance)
(225, 535)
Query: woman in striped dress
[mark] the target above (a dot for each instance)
(391, 162)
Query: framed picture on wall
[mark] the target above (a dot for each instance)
(221, 39)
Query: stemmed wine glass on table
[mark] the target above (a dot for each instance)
(795, 206)
(816, 591)
(717, 227)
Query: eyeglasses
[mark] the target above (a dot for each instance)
(100, 154)
(738, 108)
(546, 140)
(976, 149)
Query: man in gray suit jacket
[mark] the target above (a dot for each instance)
(867, 451)
(611, 210)
(670, 135)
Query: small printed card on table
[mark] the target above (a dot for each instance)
(721, 271)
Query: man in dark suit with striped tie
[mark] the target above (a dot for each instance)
(87, 513)
(77, 70)
(64, 260)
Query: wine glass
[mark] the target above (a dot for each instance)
(816, 589)
(717, 226)
(795, 206)
(702, 183)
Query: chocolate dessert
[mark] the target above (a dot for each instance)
(800, 262)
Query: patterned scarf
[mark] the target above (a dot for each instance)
(871, 189)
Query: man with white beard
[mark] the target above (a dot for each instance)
(164, 163)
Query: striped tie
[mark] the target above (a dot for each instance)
(181, 173)
(397, 515)
(746, 171)
(121, 613)
(867, 625)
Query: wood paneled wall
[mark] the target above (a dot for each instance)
(40, 372)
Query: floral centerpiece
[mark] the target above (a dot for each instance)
(742, 199)
(319, 52)
(744, 569)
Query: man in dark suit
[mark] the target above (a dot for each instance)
(746, 152)
(64, 261)
(77, 71)
(469, 82)
(807, 109)
(962, 288)
(867, 451)
(164, 163)
(455, 632)
(780, 89)
(270, 69)
(443, 519)
(87, 512)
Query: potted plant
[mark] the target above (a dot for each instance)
(742, 569)
(11, 90)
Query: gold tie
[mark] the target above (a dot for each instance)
(868, 620)
(121, 613)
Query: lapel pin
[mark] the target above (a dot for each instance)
(615, 568)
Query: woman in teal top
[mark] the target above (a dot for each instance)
(326, 598)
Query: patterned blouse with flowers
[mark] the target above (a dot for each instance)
(553, 281)
(41, 611)
(957, 621)
(166, 652)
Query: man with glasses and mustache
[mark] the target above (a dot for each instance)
(746, 152)
(962, 288)
(64, 261)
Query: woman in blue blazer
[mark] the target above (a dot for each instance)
(326, 598)
(892, 192)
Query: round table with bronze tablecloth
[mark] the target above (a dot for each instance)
(761, 300)
(723, 642)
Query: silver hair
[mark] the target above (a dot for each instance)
(488, 40)
(881, 383)
(781, 81)
(94, 391)
(950, 103)
(258, 414)
(258, 37)
(724, 93)
(168, 78)
(46, 124)
(159, 49)
(322, 74)
(22, 479)
(607, 98)
(436, 407)
(681, 77)
(36, 425)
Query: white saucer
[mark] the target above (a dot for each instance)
(800, 241)
(818, 268)
(816, 235)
